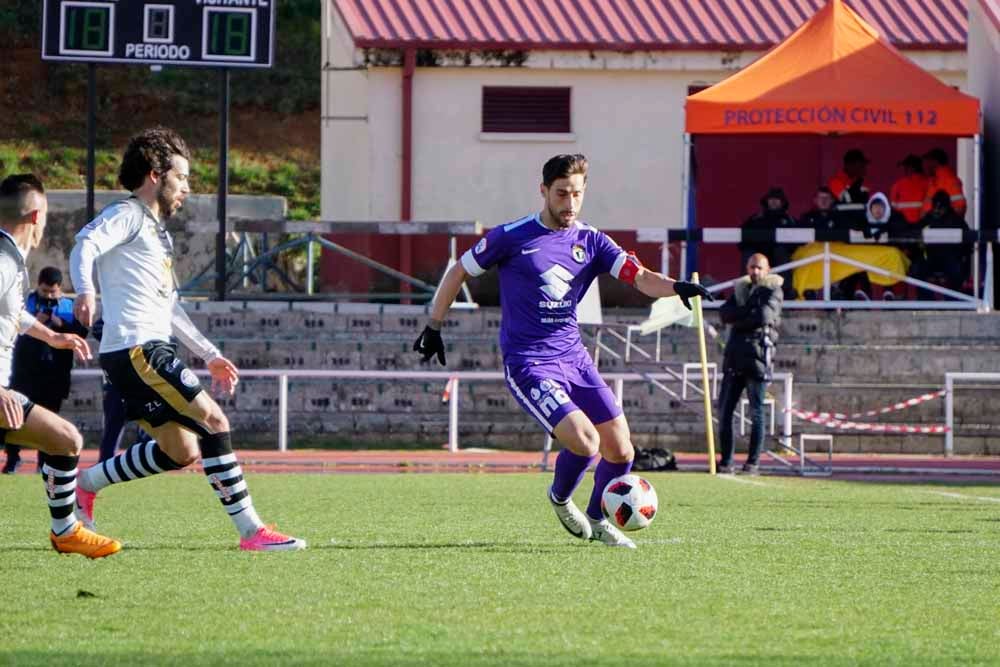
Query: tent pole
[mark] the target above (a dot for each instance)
(977, 171)
(685, 199)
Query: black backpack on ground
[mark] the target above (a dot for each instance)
(654, 458)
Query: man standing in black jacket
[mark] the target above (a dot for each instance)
(754, 312)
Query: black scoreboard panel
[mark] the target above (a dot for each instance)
(216, 33)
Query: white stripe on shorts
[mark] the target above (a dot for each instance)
(525, 401)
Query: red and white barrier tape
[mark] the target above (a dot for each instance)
(446, 394)
(902, 405)
(832, 422)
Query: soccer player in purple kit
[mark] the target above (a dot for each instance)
(546, 262)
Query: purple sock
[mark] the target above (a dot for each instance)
(604, 473)
(570, 469)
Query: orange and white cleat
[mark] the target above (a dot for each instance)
(80, 540)
(268, 539)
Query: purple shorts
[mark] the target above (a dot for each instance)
(548, 390)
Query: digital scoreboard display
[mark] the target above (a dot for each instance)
(216, 33)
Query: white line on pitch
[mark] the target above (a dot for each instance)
(962, 496)
(741, 480)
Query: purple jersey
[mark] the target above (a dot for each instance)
(543, 275)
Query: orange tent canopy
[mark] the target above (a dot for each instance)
(833, 75)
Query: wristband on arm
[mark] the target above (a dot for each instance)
(630, 269)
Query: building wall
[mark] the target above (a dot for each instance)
(345, 150)
(627, 123)
(984, 54)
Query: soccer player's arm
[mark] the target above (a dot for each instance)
(116, 225)
(225, 375)
(28, 325)
(626, 267)
(447, 292)
(61, 341)
(658, 285)
(429, 343)
(654, 284)
(474, 262)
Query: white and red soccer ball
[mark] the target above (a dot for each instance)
(629, 502)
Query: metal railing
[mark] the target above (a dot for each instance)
(980, 299)
(617, 379)
(949, 402)
(246, 264)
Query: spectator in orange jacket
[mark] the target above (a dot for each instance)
(907, 194)
(940, 176)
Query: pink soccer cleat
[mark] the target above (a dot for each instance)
(85, 507)
(268, 539)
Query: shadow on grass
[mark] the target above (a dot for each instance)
(487, 547)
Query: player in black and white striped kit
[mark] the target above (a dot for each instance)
(23, 208)
(132, 252)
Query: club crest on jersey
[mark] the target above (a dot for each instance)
(579, 254)
(481, 246)
(188, 378)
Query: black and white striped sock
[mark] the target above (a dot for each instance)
(142, 459)
(59, 474)
(226, 477)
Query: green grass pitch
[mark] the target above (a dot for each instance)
(466, 570)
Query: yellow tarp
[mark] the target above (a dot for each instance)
(810, 277)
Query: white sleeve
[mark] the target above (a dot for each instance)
(116, 224)
(187, 333)
(25, 322)
(9, 281)
(8, 275)
(81, 266)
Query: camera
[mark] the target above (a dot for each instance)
(47, 305)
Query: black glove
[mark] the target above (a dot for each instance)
(428, 344)
(686, 290)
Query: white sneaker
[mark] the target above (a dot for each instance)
(603, 531)
(572, 519)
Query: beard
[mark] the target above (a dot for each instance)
(166, 204)
(558, 219)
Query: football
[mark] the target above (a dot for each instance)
(629, 502)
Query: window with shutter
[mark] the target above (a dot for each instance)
(526, 109)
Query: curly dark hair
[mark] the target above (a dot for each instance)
(563, 166)
(148, 151)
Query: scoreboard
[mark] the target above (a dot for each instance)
(212, 33)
